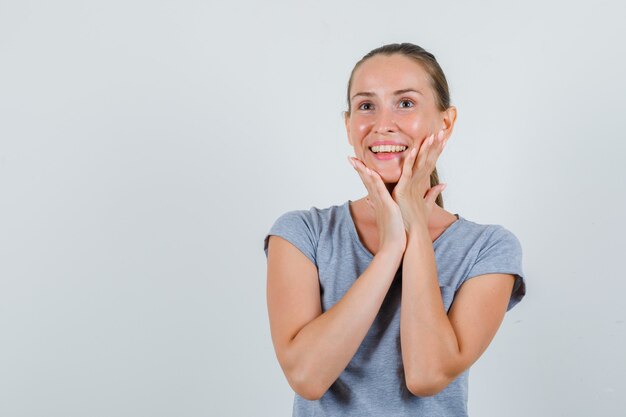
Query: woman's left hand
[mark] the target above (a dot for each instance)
(412, 192)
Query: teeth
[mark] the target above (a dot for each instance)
(388, 148)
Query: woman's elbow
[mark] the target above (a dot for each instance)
(305, 387)
(427, 387)
(307, 390)
(300, 377)
(309, 395)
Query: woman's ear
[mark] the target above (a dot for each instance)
(449, 118)
(346, 120)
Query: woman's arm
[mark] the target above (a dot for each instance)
(313, 348)
(437, 348)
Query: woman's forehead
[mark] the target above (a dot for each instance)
(389, 73)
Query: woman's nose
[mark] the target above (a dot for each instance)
(385, 122)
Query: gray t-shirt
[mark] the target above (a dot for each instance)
(373, 383)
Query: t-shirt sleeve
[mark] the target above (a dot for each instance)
(297, 228)
(502, 254)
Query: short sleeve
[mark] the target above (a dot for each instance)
(297, 228)
(502, 254)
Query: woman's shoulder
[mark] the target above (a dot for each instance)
(488, 236)
(493, 248)
(479, 227)
(313, 214)
(304, 227)
(469, 235)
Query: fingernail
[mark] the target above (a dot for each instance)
(413, 151)
(440, 135)
(368, 171)
(352, 162)
(443, 186)
(431, 138)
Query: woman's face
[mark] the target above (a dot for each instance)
(392, 102)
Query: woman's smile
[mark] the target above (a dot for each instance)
(386, 156)
(386, 150)
(392, 109)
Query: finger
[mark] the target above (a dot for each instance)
(443, 140)
(407, 168)
(365, 173)
(424, 149)
(435, 151)
(433, 193)
(437, 146)
(441, 135)
(424, 185)
(374, 183)
(361, 169)
(381, 192)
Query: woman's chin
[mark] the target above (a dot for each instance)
(390, 177)
(389, 174)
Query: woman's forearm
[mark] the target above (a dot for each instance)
(428, 340)
(324, 347)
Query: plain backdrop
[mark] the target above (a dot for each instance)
(146, 147)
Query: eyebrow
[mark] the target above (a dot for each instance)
(396, 93)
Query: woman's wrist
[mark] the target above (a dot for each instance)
(393, 253)
(418, 236)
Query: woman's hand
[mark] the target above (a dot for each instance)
(413, 193)
(391, 233)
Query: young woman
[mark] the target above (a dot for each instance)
(379, 306)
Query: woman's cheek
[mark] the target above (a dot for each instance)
(361, 128)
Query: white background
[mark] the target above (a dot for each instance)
(146, 147)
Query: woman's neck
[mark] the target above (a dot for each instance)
(439, 217)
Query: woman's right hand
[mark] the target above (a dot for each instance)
(391, 230)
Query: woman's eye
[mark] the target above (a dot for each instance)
(365, 106)
(406, 103)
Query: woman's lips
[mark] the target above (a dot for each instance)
(385, 156)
